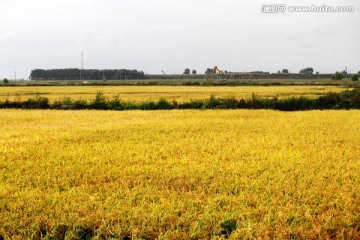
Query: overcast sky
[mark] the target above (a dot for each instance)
(171, 35)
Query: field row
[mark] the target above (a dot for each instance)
(178, 93)
(179, 174)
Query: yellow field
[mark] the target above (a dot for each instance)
(179, 174)
(145, 93)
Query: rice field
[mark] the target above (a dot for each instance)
(179, 174)
(145, 93)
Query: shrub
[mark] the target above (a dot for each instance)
(328, 101)
(99, 102)
(338, 76)
(230, 103)
(267, 103)
(294, 104)
(67, 102)
(164, 104)
(212, 103)
(80, 104)
(254, 102)
(5, 81)
(128, 106)
(242, 104)
(355, 77)
(148, 105)
(191, 104)
(349, 99)
(115, 103)
(37, 103)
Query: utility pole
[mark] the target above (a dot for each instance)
(346, 72)
(82, 63)
(15, 76)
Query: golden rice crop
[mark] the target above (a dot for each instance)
(145, 93)
(179, 174)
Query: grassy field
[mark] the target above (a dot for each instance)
(144, 93)
(179, 174)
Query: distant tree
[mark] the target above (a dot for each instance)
(355, 77)
(317, 72)
(5, 81)
(308, 70)
(187, 71)
(279, 71)
(193, 71)
(208, 71)
(285, 71)
(88, 74)
(260, 72)
(338, 76)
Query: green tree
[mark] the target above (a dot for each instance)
(5, 81)
(285, 71)
(355, 77)
(308, 70)
(260, 72)
(208, 71)
(338, 76)
(187, 71)
(193, 71)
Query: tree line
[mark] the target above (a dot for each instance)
(85, 74)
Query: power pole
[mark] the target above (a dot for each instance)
(82, 63)
(346, 72)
